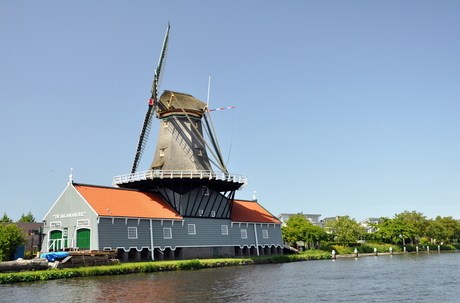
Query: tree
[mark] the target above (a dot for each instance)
(345, 229)
(299, 229)
(27, 219)
(443, 229)
(10, 238)
(5, 219)
(417, 220)
(396, 229)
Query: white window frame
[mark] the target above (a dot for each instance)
(83, 222)
(132, 232)
(205, 191)
(191, 229)
(167, 233)
(244, 233)
(213, 213)
(265, 233)
(200, 213)
(56, 224)
(224, 230)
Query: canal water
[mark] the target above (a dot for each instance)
(423, 277)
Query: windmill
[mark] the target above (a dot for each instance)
(181, 171)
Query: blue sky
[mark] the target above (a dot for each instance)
(342, 107)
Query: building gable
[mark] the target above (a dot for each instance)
(117, 202)
(251, 211)
(70, 204)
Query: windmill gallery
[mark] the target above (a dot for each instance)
(182, 207)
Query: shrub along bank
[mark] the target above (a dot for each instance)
(157, 266)
(363, 248)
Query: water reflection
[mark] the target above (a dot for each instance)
(424, 277)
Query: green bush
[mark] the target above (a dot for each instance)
(424, 241)
(189, 265)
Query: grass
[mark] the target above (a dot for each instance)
(137, 267)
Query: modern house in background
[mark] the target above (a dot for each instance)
(313, 218)
(367, 227)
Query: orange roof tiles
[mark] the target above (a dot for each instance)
(251, 211)
(114, 202)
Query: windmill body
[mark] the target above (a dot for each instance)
(181, 171)
(180, 145)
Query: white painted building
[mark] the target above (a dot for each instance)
(313, 218)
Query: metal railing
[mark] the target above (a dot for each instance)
(179, 174)
(57, 244)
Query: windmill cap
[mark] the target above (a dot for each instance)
(181, 101)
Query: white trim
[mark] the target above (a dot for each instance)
(132, 232)
(56, 224)
(257, 240)
(165, 231)
(162, 248)
(265, 233)
(191, 228)
(60, 196)
(83, 223)
(244, 233)
(224, 230)
(152, 255)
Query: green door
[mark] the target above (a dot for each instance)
(55, 237)
(83, 238)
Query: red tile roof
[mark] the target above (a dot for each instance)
(251, 211)
(114, 202)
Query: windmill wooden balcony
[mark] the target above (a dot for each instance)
(147, 180)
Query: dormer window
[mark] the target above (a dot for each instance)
(205, 191)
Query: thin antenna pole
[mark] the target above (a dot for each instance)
(209, 90)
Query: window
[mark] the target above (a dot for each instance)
(200, 212)
(200, 152)
(264, 233)
(224, 230)
(205, 191)
(132, 232)
(244, 234)
(162, 152)
(55, 224)
(213, 213)
(191, 229)
(167, 233)
(84, 222)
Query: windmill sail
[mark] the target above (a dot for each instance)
(145, 131)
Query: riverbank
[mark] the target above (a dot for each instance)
(159, 266)
(148, 267)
